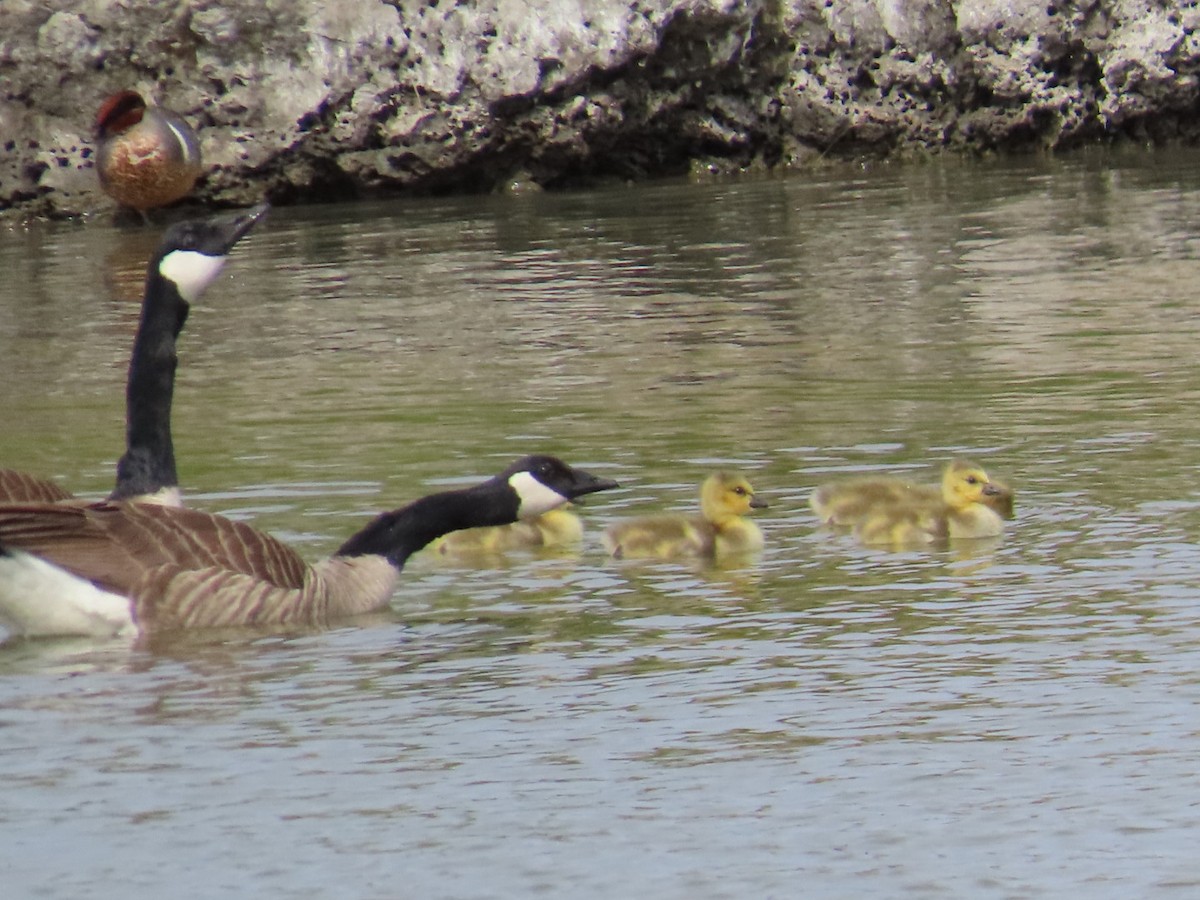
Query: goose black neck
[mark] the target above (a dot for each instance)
(400, 533)
(149, 461)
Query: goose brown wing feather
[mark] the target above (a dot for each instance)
(65, 536)
(115, 544)
(193, 539)
(21, 487)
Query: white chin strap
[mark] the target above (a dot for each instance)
(535, 497)
(191, 272)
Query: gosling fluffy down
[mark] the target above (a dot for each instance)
(962, 512)
(719, 530)
(847, 502)
(552, 530)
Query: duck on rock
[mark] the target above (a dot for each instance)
(147, 156)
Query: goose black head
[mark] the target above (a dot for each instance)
(543, 483)
(192, 253)
(526, 489)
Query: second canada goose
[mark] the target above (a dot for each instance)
(720, 529)
(962, 512)
(848, 501)
(188, 259)
(117, 568)
(552, 529)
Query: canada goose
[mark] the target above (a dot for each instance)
(847, 502)
(554, 528)
(188, 259)
(720, 529)
(119, 568)
(147, 156)
(961, 513)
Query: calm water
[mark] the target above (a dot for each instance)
(1012, 720)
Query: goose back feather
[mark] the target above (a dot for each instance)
(21, 487)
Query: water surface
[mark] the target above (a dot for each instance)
(1010, 719)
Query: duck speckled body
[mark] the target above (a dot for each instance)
(147, 156)
(719, 530)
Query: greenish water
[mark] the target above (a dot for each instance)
(1012, 719)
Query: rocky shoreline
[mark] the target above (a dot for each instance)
(305, 101)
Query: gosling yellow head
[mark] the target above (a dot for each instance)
(727, 496)
(964, 484)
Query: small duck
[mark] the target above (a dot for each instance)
(962, 512)
(720, 529)
(553, 529)
(148, 156)
(846, 503)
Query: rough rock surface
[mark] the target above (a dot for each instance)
(313, 100)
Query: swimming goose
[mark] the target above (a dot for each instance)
(188, 259)
(147, 156)
(119, 568)
(847, 502)
(962, 512)
(720, 528)
(553, 529)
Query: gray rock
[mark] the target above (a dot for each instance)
(304, 101)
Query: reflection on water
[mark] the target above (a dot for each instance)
(1009, 718)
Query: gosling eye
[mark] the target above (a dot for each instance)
(971, 479)
(740, 491)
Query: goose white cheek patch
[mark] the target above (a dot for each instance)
(534, 496)
(192, 272)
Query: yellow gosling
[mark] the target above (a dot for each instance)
(556, 528)
(720, 529)
(848, 502)
(963, 512)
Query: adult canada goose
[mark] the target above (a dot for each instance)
(961, 513)
(720, 529)
(188, 259)
(847, 502)
(147, 156)
(553, 529)
(119, 568)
